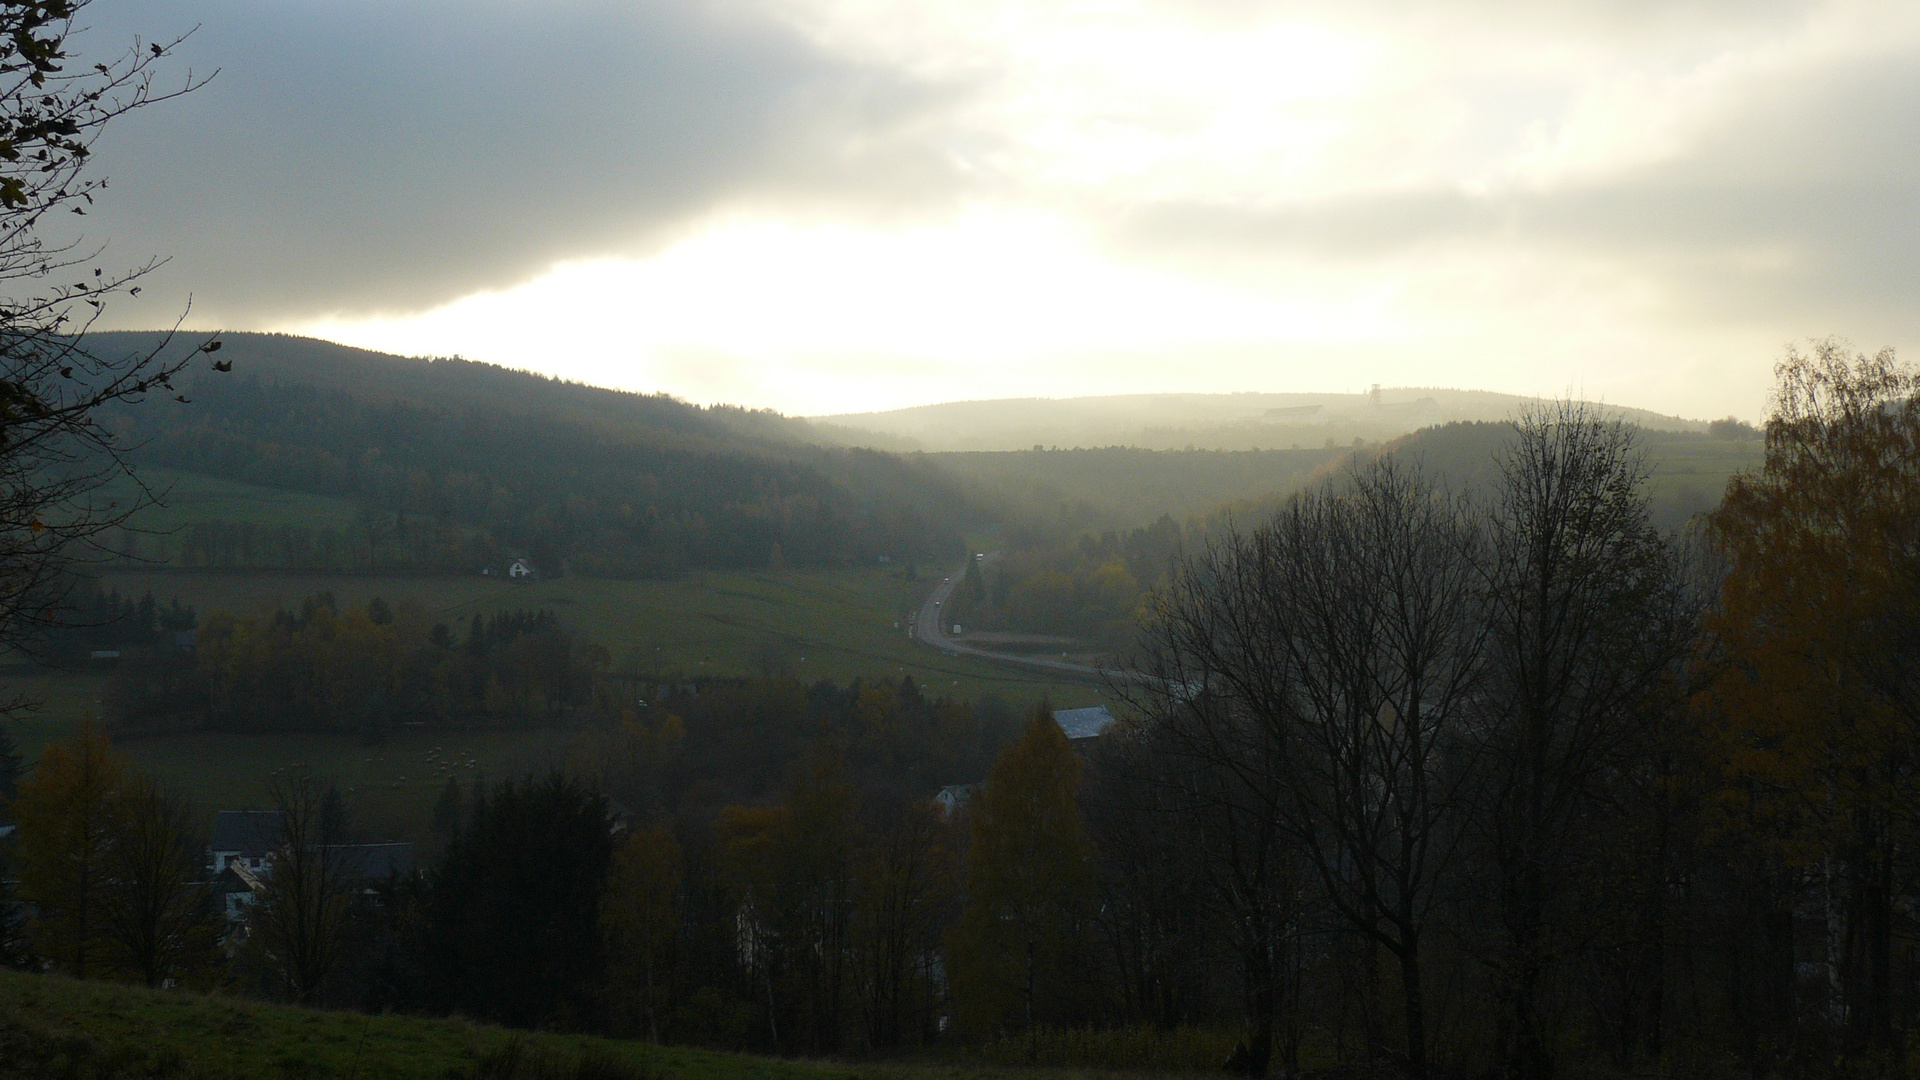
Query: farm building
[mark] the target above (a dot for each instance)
(1083, 726)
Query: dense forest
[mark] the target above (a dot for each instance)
(355, 671)
(454, 462)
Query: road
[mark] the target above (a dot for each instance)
(930, 628)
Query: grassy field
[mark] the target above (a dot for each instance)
(820, 625)
(827, 624)
(52, 1026)
(1690, 474)
(185, 498)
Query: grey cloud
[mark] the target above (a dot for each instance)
(1804, 207)
(387, 156)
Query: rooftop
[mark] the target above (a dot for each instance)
(1080, 724)
(252, 833)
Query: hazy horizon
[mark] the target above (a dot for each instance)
(839, 207)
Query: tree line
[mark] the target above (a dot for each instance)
(449, 459)
(360, 671)
(1528, 785)
(548, 902)
(1093, 588)
(93, 620)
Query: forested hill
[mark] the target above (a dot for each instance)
(456, 463)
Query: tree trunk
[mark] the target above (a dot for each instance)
(1415, 1005)
(1259, 980)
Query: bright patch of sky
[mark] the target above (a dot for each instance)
(863, 204)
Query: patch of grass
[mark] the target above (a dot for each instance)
(818, 624)
(1137, 1049)
(835, 624)
(186, 497)
(53, 1026)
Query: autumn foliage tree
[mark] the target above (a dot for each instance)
(639, 915)
(110, 862)
(67, 813)
(905, 881)
(1020, 952)
(792, 868)
(1814, 707)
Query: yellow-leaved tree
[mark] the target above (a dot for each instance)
(1019, 954)
(1814, 707)
(67, 816)
(639, 915)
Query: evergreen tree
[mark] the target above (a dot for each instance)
(514, 906)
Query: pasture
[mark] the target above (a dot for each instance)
(836, 625)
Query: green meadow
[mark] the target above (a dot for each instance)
(836, 624)
(175, 499)
(54, 1026)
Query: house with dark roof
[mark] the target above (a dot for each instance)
(248, 836)
(362, 868)
(235, 890)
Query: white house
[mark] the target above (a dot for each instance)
(521, 568)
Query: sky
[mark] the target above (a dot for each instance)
(825, 206)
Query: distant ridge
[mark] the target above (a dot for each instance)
(454, 463)
(1199, 421)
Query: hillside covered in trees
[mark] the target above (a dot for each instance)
(454, 463)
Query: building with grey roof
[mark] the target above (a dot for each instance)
(1082, 726)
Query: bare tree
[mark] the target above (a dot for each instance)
(1586, 618)
(907, 878)
(301, 921)
(157, 916)
(1215, 687)
(1326, 661)
(57, 454)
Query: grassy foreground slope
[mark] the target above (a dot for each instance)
(53, 1026)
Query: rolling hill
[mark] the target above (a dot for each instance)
(1194, 421)
(454, 463)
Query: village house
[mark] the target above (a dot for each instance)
(952, 799)
(244, 836)
(241, 853)
(1083, 727)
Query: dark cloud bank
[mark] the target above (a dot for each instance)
(389, 156)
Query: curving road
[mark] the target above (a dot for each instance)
(930, 628)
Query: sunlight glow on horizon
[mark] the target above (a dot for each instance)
(1071, 123)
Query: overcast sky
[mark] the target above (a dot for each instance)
(833, 205)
